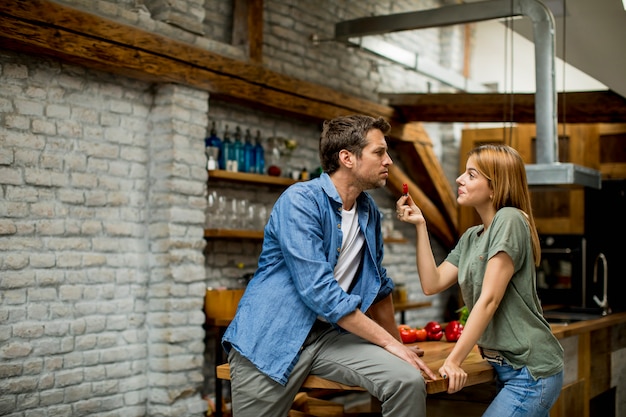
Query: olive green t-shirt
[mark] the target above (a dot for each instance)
(518, 329)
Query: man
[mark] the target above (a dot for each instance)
(320, 301)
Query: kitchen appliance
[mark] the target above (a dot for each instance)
(562, 274)
(605, 230)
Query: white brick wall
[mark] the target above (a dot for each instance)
(103, 186)
(82, 268)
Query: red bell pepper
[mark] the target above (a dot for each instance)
(453, 330)
(434, 331)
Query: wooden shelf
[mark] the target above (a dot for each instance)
(246, 178)
(395, 240)
(257, 235)
(243, 177)
(411, 305)
(233, 234)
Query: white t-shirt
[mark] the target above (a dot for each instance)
(351, 249)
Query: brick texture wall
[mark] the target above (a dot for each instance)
(103, 187)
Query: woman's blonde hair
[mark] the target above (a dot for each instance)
(504, 168)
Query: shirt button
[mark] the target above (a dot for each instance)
(338, 249)
(339, 226)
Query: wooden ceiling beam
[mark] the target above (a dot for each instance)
(248, 28)
(53, 29)
(43, 27)
(415, 150)
(572, 107)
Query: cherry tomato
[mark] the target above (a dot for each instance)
(421, 334)
(408, 335)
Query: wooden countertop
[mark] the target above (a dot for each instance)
(478, 370)
(571, 329)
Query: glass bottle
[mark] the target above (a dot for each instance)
(259, 154)
(214, 149)
(248, 154)
(238, 151)
(228, 149)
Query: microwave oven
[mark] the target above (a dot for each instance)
(561, 275)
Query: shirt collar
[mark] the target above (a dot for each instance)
(329, 188)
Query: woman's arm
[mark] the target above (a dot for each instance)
(433, 279)
(497, 276)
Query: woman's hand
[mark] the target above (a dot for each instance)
(408, 212)
(457, 377)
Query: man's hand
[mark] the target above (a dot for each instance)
(409, 354)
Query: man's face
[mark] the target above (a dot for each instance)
(372, 168)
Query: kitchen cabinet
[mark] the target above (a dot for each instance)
(593, 365)
(612, 156)
(557, 210)
(592, 378)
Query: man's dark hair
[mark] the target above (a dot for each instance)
(349, 133)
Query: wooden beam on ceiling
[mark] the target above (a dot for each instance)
(248, 28)
(415, 150)
(53, 29)
(572, 107)
(43, 27)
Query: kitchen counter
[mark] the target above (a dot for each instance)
(591, 371)
(562, 331)
(478, 370)
(594, 377)
(594, 383)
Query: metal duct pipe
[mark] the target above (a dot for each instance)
(547, 170)
(543, 32)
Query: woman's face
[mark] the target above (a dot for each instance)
(474, 189)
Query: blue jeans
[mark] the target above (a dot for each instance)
(519, 395)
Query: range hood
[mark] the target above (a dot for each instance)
(547, 171)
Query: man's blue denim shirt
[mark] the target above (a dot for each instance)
(294, 282)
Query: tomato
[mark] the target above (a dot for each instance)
(434, 330)
(408, 335)
(421, 334)
(453, 331)
(403, 326)
(274, 171)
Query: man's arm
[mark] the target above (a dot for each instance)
(361, 325)
(383, 313)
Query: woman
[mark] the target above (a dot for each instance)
(494, 264)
